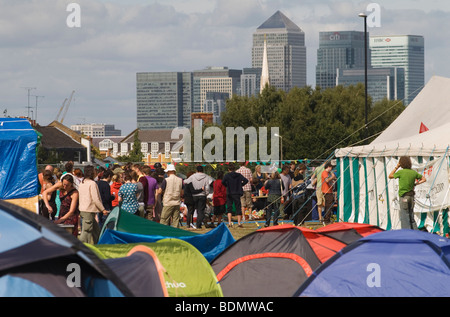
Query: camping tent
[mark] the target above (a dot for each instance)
(367, 195)
(274, 261)
(149, 282)
(38, 258)
(187, 273)
(123, 221)
(210, 244)
(18, 165)
(395, 263)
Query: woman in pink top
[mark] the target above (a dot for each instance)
(90, 203)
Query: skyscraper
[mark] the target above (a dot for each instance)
(164, 100)
(214, 79)
(338, 50)
(382, 83)
(250, 81)
(286, 51)
(405, 51)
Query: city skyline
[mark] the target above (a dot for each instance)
(118, 39)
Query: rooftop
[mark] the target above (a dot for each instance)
(279, 21)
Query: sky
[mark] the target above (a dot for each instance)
(41, 55)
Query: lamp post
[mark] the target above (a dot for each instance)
(281, 148)
(363, 15)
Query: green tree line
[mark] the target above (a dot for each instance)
(313, 122)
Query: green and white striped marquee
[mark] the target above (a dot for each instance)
(367, 195)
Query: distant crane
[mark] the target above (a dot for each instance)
(64, 107)
(61, 109)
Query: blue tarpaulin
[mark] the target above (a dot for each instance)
(210, 244)
(18, 166)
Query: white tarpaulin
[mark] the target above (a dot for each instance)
(433, 194)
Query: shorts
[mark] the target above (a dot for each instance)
(219, 210)
(320, 198)
(246, 200)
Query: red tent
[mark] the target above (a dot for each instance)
(275, 261)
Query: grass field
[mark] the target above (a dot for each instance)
(251, 226)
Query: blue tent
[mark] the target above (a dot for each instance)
(18, 171)
(396, 263)
(210, 244)
(40, 259)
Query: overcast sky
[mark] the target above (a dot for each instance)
(118, 38)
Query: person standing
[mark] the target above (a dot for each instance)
(48, 182)
(188, 200)
(299, 195)
(286, 179)
(159, 175)
(317, 183)
(116, 183)
(173, 190)
(199, 180)
(219, 199)
(140, 192)
(105, 194)
(407, 180)
(258, 178)
(275, 187)
(90, 204)
(328, 179)
(69, 212)
(152, 190)
(128, 193)
(234, 182)
(246, 198)
(143, 180)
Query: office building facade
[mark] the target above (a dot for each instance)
(214, 79)
(250, 81)
(382, 83)
(164, 100)
(286, 51)
(338, 50)
(96, 130)
(402, 51)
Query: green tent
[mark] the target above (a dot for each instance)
(123, 221)
(188, 273)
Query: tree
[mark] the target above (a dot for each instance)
(136, 153)
(312, 122)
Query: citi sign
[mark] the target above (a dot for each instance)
(335, 36)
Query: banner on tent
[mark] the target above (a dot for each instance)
(433, 194)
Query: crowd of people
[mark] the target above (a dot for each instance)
(82, 199)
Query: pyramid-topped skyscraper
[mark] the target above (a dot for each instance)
(285, 52)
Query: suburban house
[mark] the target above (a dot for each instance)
(63, 143)
(156, 146)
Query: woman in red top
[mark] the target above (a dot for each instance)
(115, 186)
(219, 199)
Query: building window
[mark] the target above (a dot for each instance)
(155, 148)
(167, 149)
(144, 147)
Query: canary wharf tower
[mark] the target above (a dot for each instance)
(286, 52)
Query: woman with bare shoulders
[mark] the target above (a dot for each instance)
(68, 195)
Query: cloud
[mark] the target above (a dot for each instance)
(119, 38)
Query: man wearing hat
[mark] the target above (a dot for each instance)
(173, 190)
